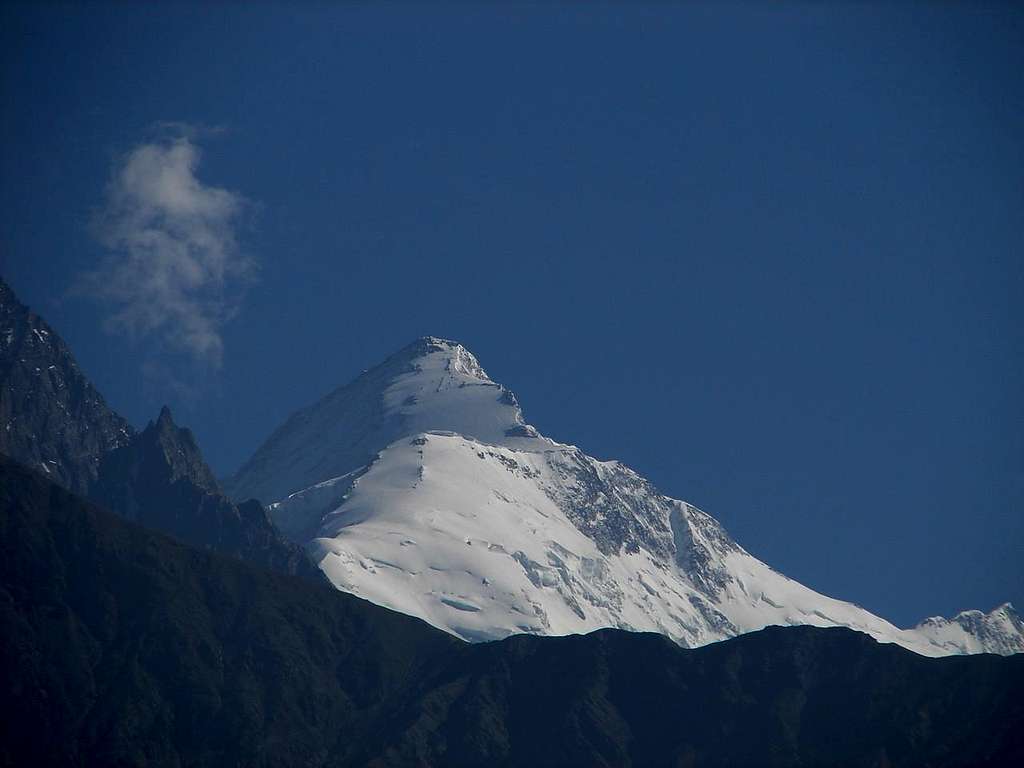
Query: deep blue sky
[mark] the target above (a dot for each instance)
(773, 258)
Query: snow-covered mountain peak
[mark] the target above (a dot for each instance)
(446, 389)
(429, 372)
(456, 359)
(420, 487)
(430, 385)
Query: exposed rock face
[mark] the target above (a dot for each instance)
(51, 416)
(161, 455)
(53, 419)
(159, 479)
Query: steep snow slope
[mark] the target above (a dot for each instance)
(420, 487)
(430, 384)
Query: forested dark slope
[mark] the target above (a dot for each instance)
(120, 646)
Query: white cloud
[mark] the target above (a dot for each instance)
(174, 270)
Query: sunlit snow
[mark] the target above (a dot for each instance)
(420, 487)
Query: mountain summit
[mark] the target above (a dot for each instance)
(51, 416)
(432, 384)
(420, 487)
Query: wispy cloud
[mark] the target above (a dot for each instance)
(173, 271)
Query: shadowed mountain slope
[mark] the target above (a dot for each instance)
(120, 646)
(160, 480)
(53, 419)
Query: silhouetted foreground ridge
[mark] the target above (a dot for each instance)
(121, 646)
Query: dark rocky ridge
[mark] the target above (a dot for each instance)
(160, 480)
(51, 416)
(53, 419)
(119, 646)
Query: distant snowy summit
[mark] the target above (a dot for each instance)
(420, 487)
(999, 631)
